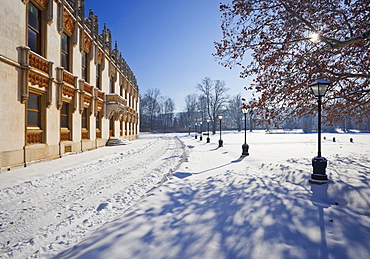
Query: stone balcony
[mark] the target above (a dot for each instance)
(116, 105)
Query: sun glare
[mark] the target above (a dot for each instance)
(314, 37)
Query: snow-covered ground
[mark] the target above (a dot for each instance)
(216, 204)
(47, 207)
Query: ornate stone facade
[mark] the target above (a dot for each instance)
(49, 109)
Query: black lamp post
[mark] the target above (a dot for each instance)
(201, 131)
(245, 146)
(220, 142)
(208, 138)
(319, 163)
(196, 130)
(250, 120)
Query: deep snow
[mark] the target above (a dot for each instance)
(216, 204)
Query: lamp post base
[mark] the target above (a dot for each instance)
(245, 148)
(319, 167)
(208, 140)
(220, 143)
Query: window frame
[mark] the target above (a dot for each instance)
(98, 125)
(40, 33)
(65, 52)
(85, 123)
(85, 66)
(111, 86)
(98, 76)
(38, 129)
(84, 119)
(98, 121)
(37, 110)
(65, 115)
(66, 130)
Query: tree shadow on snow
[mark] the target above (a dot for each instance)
(247, 215)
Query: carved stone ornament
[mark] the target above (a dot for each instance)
(87, 99)
(69, 79)
(69, 23)
(67, 91)
(100, 56)
(40, 81)
(39, 63)
(87, 43)
(100, 104)
(34, 137)
(43, 2)
(112, 72)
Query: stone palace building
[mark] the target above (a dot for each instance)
(64, 87)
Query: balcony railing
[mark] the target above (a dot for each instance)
(115, 99)
(100, 104)
(88, 88)
(67, 91)
(40, 63)
(69, 78)
(100, 95)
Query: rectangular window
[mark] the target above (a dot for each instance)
(84, 119)
(64, 116)
(98, 76)
(65, 52)
(85, 124)
(111, 86)
(65, 133)
(34, 111)
(34, 28)
(84, 66)
(98, 121)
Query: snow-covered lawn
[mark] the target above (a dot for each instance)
(216, 204)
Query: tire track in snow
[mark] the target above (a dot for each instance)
(43, 217)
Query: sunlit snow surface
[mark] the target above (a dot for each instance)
(216, 204)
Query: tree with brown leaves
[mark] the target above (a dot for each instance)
(292, 43)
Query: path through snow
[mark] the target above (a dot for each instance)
(48, 214)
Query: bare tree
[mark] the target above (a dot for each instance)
(191, 102)
(150, 106)
(287, 44)
(234, 110)
(169, 108)
(166, 107)
(214, 96)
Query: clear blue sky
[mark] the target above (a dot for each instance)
(168, 43)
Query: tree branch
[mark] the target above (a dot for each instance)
(347, 75)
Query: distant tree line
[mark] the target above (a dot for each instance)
(157, 113)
